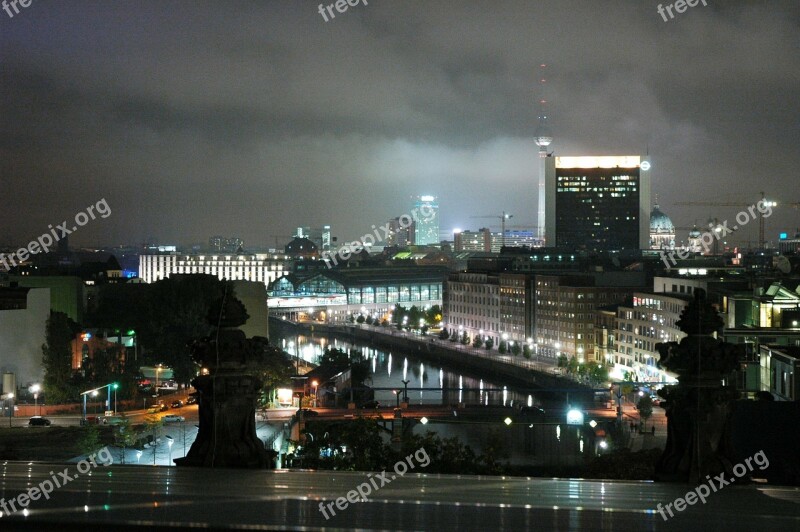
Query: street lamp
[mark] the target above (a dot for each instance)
(138, 456)
(115, 386)
(315, 384)
(35, 391)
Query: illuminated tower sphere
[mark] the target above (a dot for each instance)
(543, 135)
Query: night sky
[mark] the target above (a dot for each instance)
(253, 118)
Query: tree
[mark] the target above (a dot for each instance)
(489, 344)
(526, 351)
(645, 407)
(516, 349)
(89, 439)
(597, 373)
(124, 435)
(464, 338)
(572, 365)
(502, 347)
(562, 361)
(477, 342)
(57, 358)
(444, 335)
(361, 318)
(433, 315)
(177, 314)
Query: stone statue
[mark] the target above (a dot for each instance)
(228, 389)
(699, 407)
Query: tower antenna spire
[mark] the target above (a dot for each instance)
(543, 139)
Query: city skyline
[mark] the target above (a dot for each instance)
(269, 118)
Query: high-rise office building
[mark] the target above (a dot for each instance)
(426, 221)
(399, 234)
(597, 203)
(320, 236)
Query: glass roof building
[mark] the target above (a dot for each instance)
(331, 296)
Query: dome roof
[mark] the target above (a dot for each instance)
(660, 222)
(300, 246)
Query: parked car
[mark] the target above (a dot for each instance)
(154, 410)
(112, 420)
(38, 421)
(191, 400)
(371, 404)
(176, 404)
(173, 418)
(163, 407)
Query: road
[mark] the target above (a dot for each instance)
(116, 496)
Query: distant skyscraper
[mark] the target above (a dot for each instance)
(543, 139)
(598, 203)
(320, 236)
(426, 221)
(400, 235)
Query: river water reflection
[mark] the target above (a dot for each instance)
(428, 383)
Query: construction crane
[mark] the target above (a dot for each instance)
(764, 203)
(503, 217)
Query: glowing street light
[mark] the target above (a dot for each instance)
(315, 384)
(170, 441)
(35, 391)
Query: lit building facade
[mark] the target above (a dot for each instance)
(780, 369)
(262, 268)
(473, 304)
(650, 319)
(597, 203)
(564, 313)
(485, 241)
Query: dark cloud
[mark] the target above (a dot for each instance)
(251, 118)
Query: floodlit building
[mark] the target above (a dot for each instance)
(662, 231)
(263, 268)
(650, 318)
(23, 319)
(597, 203)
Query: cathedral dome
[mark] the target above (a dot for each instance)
(660, 222)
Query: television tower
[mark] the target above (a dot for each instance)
(543, 139)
